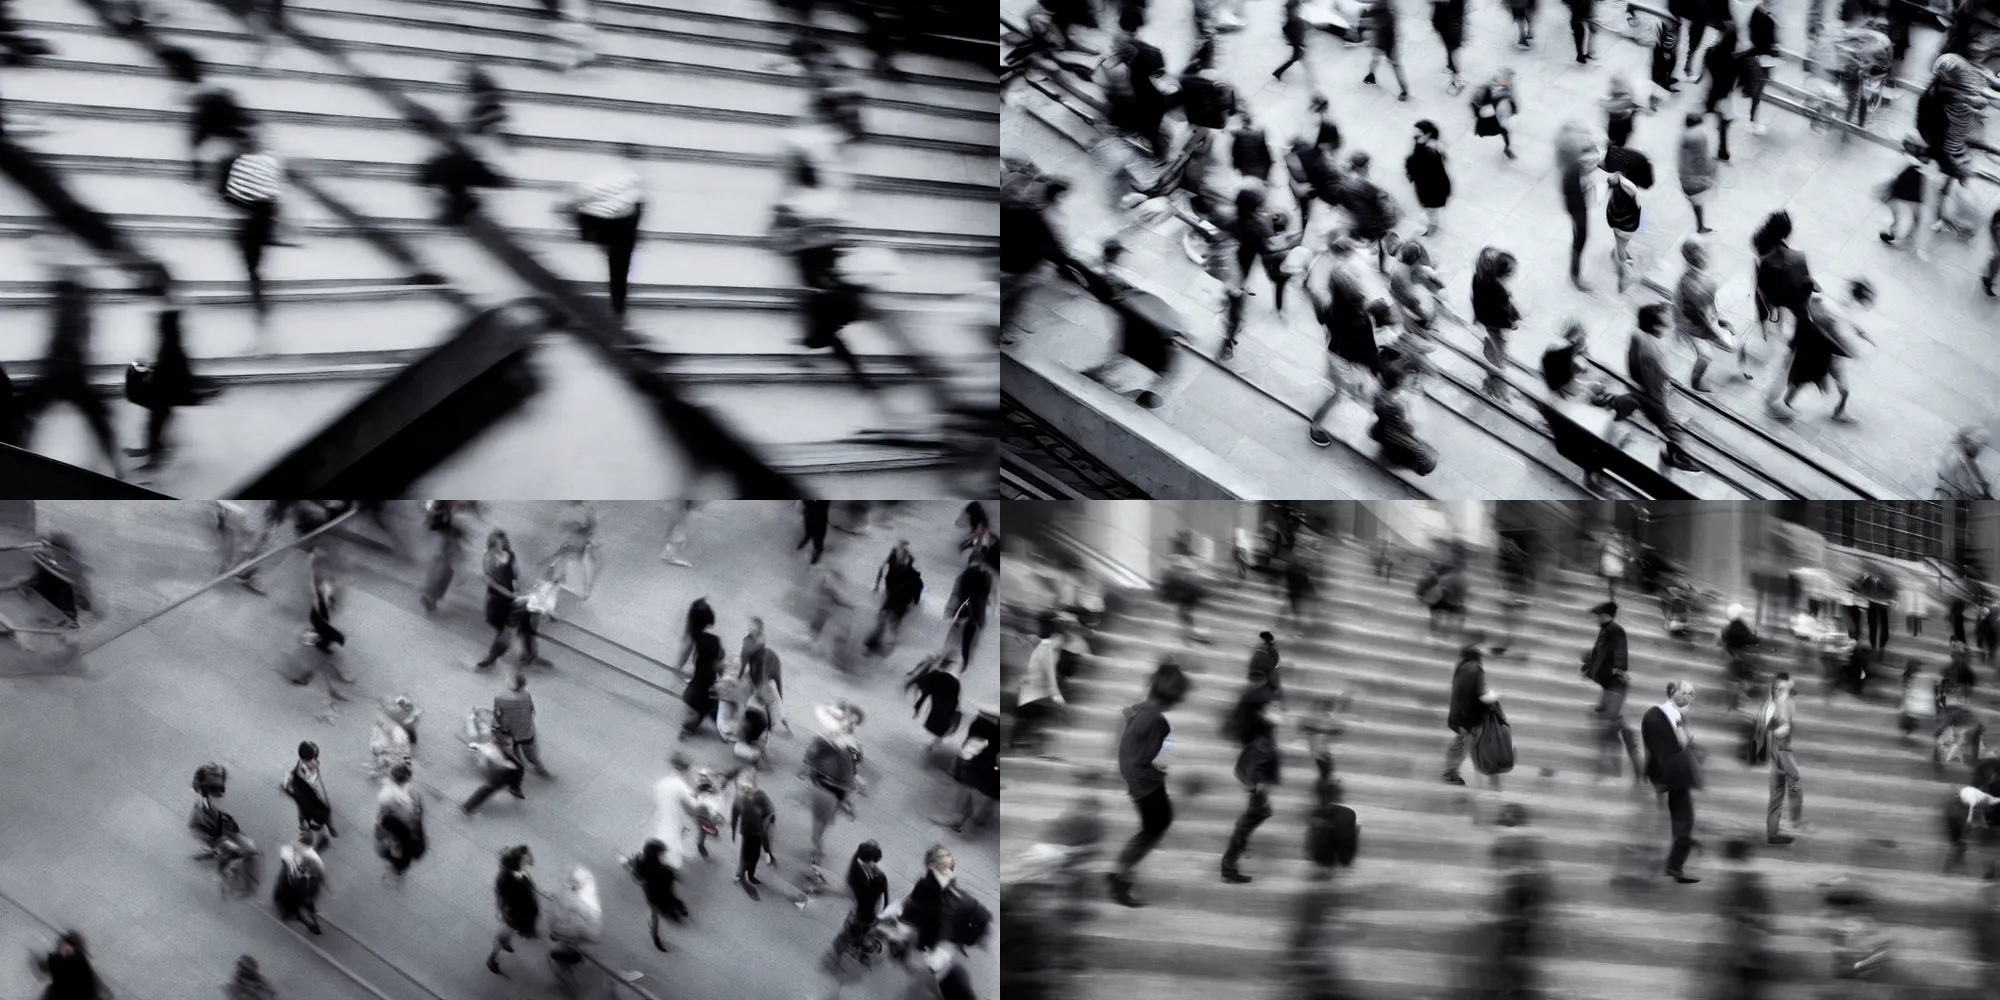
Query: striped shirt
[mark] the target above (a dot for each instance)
(254, 177)
(612, 196)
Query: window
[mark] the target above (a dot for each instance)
(1909, 529)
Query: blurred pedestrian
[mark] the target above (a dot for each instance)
(505, 610)
(936, 686)
(445, 519)
(1040, 698)
(1493, 105)
(500, 766)
(700, 643)
(656, 880)
(675, 812)
(1606, 665)
(69, 972)
(977, 772)
(971, 597)
(575, 922)
(253, 181)
(832, 769)
(301, 879)
(514, 711)
(753, 818)
(1426, 170)
(902, 588)
(1144, 739)
(607, 209)
(1472, 701)
(1776, 724)
(519, 904)
(1253, 724)
(574, 564)
(169, 382)
(399, 822)
(248, 983)
(65, 375)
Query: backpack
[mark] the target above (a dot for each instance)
(1332, 835)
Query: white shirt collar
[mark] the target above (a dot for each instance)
(1673, 712)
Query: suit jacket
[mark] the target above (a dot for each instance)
(1669, 766)
(1607, 655)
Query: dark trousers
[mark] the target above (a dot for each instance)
(968, 637)
(619, 238)
(323, 627)
(1254, 814)
(510, 779)
(1579, 234)
(1612, 731)
(253, 236)
(753, 848)
(1579, 32)
(1878, 627)
(1156, 814)
(1680, 814)
(531, 752)
(521, 623)
(157, 419)
(816, 537)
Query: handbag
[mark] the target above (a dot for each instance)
(1493, 744)
(139, 384)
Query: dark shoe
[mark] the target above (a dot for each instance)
(703, 848)
(1452, 778)
(1683, 878)
(753, 880)
(748, 889)
(659, 944)
(517, 793)
(1122, 891)
(1369, 79)
(1781, 839)
(1319, 437)
(493, 965)
(1234, 877)
(1988, 286)
(1404, 97)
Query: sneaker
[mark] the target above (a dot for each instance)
(1759, 128)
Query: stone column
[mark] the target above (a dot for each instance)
(1122, 530)
(1717, 539)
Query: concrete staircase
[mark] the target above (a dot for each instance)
(1423, 879)
(704, 88)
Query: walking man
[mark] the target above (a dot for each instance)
(502, 764)
(514, 711)
(65, 370)
(1471, 702)
(1777, 725)
(1144, 739)
(307, 790)
(1606, 665)
(1254, 724)
(1672, 765)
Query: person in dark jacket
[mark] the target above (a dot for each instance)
(1582, 26)
(1295, 28)
(486, 107)
(1471, 702)
(1758, 59)
(1250, 148)
(1493, 310)
(1139, 747)
(307, 790)
(1671, 765)
(701, 644)
(656, 880)
(514, 711)
(1264, 660)
(1723, 68)
(1562, 363)
(1784, 281)
(65, 368)
(69, 972)
(519, 904)
(170, 385)
(927, 909)
(815, 515)
(1254, 726)
(1425, 168)
(1606, 666)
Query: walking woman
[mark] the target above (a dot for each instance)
(505, 605)
(520, 907)
(442, 518)
(69, 972)
(1425, 168)
(253, 181)
(307, 790)
(700, 642)
(856, 948)
(902, 588)
(301, 879)
(1493, 310)
(656, 879)
(399, 823)
(1492, 105)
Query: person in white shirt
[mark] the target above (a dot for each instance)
(1777, 722)
(675, 811)
(607, 209)
(1041, 690)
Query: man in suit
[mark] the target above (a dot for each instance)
(1671, 765)
(1606, 665)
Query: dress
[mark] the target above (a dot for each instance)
(499, 589)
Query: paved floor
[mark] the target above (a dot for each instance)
(94, 767)
(1928, 374)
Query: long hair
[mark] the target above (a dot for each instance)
(1777, 228)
